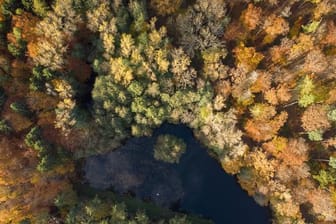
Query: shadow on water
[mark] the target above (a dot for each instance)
(196, 185)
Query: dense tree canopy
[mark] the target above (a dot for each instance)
(254, 80)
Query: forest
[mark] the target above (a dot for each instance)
(255, 80)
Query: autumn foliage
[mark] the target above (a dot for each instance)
(254, 80)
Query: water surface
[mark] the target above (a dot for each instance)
(197, 184)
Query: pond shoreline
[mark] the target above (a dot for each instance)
(198, 182)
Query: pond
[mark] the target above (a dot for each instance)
(196, 185)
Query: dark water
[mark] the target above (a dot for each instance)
(198, 182)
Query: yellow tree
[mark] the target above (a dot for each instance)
(247, 57)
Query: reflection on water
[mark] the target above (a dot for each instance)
(133, 168)
(198, 183)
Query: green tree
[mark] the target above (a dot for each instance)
(49, 155)
(46, 163)
(18, 49)
(40, 7)
(28, 4)
(136, 88)
(169, 148)
(8, 7)
(332, 115)
(66, 199)
(33, 139)
(311, 27)
(17, 32)
(141, 218)
(325, 178)
(179, 220)
(332, 162)
(306, 92)
(139, 130)
(139, 14)
(20, 108)
(4, 127)
(315, 135)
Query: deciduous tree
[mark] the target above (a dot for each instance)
(169, 148)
